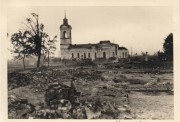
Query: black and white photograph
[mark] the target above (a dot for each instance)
(90, 62)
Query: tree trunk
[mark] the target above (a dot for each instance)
(38, 61)
(39, 39)
(24, 62)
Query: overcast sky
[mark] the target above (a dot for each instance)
(139, 28)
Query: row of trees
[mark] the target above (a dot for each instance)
(32, 40)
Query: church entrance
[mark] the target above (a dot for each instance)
(104, 55)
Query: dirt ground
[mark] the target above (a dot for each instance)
(115, 93)
(152, 106)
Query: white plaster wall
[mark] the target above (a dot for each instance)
(120, 53)
(108, 49)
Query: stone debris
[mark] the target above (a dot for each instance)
(77, 93)
(88, 75)
(120, 79)
(92, 115)
(19, 108)
(16, 79)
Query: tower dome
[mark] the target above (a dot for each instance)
(65, 23)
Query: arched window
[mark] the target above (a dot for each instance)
(89, 55)
(84, 55)
(72, 55)
(65, 34)
(78, 55)
(104, 55)
(95, 55)
(113, 55)
(125, 54)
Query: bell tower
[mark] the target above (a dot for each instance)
(65, 32)
(65, 38)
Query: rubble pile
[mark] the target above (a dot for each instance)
(75, 93)
(38, 79)
(19, 108)
(87, 75)
(62, 101)
(65, 102)
(137, 81)
(161, 86)
(156, 71)
(151, 87)
(58, 92)
(120, 79)
(16, 79)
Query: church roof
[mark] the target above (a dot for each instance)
(122, 48)
(87, 46)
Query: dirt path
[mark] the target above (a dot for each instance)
(151, 106)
